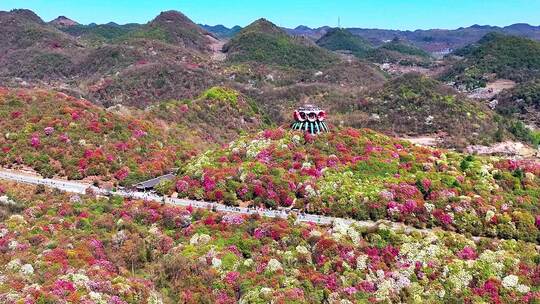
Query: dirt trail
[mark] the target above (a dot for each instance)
(429, 141)
(492, 89)
(216, 46)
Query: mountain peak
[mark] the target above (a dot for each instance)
(263, 25)
(63, 21)
(171, 17)
(302, 28)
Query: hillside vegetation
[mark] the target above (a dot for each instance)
(339, 39)
(60, 135)
(175, 28)
(218, 115)
(125, 251)
(418, 105)
(509, 57)
(521, 98)
(400, 52)
(264, 42)
(100, 33)
(366, 175)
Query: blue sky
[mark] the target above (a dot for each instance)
(387, 14)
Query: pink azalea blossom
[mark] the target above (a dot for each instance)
(233, 219)
(182, 186)
(64, 138)
(35, 141)
(139, 133)
(184, 108)
(122, 174)
(48, 131)
(468, 253)
(208, 183)
(259, 233)
(232, 277)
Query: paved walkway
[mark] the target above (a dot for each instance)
(80, 188)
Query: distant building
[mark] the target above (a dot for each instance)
(309, 118)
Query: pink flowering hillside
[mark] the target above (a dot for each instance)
(57, 248)
(365, 175)
(60, 135)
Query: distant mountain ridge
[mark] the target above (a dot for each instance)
(221, 31)
(432, 40)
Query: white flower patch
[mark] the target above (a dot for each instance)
(310, 192)
(200, 239)
(27, 269)
(80, 279)
(13, 245)
(510, 281)
(315, 233)
(97, 297)
(489, 215)
(361, 262)
(523, 288)
(216, 263)
(6, 201)
(306, 165)
(256, 146)
(154, 229)
(3, 232)
(274, 265)
(302, 250)
(460, 279)
(155, 298)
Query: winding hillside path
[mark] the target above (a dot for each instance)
(81, 188)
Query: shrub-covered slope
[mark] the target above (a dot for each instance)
(400, 52)
(264, 42)
(22, 29)
(175, 28)
(523, 100)
(510, 57)
(100, 33)
(58, 248)
(59, 135)
(31, 48)
(339, 39)
(417, 105)
(366, 175)
(218, 115)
